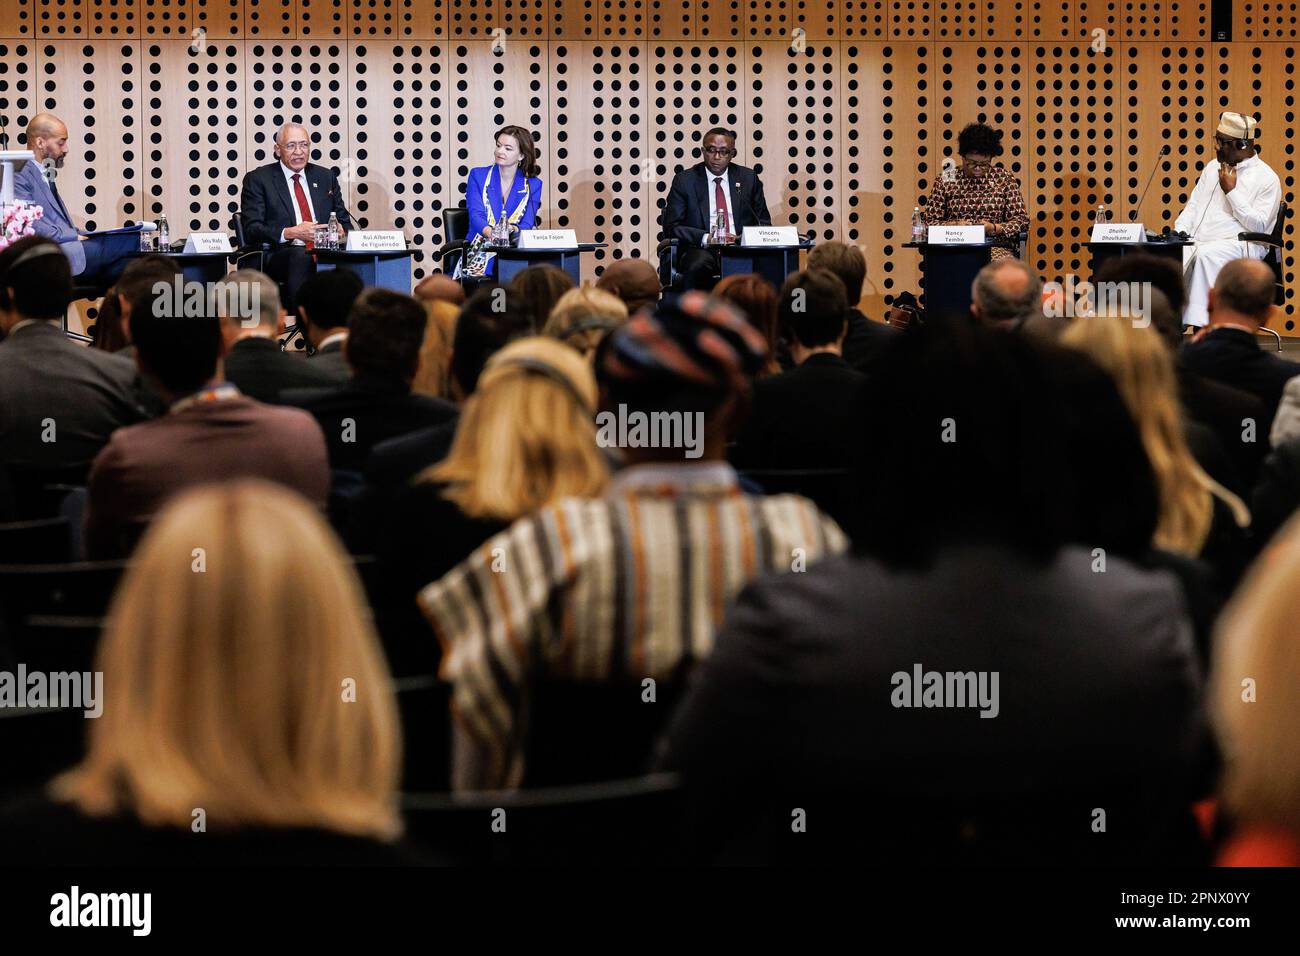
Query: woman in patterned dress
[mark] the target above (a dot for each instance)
(980, 193)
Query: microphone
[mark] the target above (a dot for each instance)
(4, 135)
(49, 170)
(1132, 213)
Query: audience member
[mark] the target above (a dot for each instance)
(865, 341)
(1198, 516)
(385, 332)
(221, 691)
(107, 334)
(1257, 713)
(612, 591)
(1007, 294)
(325, 301)
(582, 317)
(433, 378)
(808, 417)
(211, 432)
(1228, 348)
(252, 320)
(810, 699)
(142, 283)
(539, 288)
(440, 288)
(59, 402)
(757, 300)
(634, 280)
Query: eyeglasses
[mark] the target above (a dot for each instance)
(717, 151)
(972, 164)
(296, 147)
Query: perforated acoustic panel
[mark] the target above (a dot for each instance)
(848, 108)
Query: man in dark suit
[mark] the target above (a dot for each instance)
(248, 303)
(1227, 349)
(211, 432)
(712, 189)
(324, 304)
(385, 331)
(59, 402)
(94, 260)
(809, 416)
(865, 341)
(283, 203)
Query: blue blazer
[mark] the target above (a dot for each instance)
(492, 177)
(55, 223)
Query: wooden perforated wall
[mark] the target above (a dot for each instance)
(849, 108)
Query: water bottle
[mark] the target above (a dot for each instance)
(164, 236)
(918, 225)
(1103, 216)
(720, 226)
(334, 232)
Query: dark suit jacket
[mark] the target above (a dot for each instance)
(393, 463)
(1233, 357)
(808, 417)
(378, 410)
(1223, 408)
(866, 342)
(266, 205)
(799, 704)
(87, 393)
(686, 211)
(1277, 495)
(261, 371)
(143, 466)
(332, 362)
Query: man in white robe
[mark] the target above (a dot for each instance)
(1237, 192)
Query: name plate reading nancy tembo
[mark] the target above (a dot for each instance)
(954, 235)
(208, 242)
(548, 239)
(769, 236)
(376, 240)
(1118, 232)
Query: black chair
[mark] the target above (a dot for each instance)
(668, 274)
(246, 256)
(1276, 252)
(55, 643)
(623, 822)
(829, 488)
(37, 743)
(39, 492)
(424, 704)
(455, 221)
(83, 590)
(42, 541)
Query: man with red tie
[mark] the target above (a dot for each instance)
(283, 203)
(711, 197)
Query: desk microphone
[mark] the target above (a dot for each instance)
(1132, 213)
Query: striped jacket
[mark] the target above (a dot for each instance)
(634, 584)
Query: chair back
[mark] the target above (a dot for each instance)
(42, 541)
(237, 224)
(455, 220)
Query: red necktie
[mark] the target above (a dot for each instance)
(720, 200)
(303, 209)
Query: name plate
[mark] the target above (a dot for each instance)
(548, 239)
(1118, 232)
(769, 236)
(376, 240)
(954, 235)
(208, 242)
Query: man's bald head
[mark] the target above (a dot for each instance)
(1006, 292)
(1245, 288)
(47, 137)
(46, 125)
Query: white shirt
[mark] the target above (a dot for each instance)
(1251, 206)
(712, 190)
(293, 199)
(332, 337)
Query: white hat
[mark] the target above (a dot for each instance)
(1236, 126)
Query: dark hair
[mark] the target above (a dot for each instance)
(979, 139)
(818, 316)
(109, 336)
(845, 261)
(1165, 275)
(720, 131)
(756, 298)
(492, 317)
(539, 288)
(385, 331)
(180, 352)
(139, 278)
(42, 282)
(997, 438)
(327, 298)
(527, 147)
(1246, 286)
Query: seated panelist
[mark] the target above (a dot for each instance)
(282, 204)
(502, 198)
(979, 193)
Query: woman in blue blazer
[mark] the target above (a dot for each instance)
(516, 161)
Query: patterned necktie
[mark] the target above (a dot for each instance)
(303, 209)
(720, 200)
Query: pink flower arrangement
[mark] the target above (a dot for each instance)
(18, 220)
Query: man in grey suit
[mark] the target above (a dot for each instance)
(59, 402)
(94, 260)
